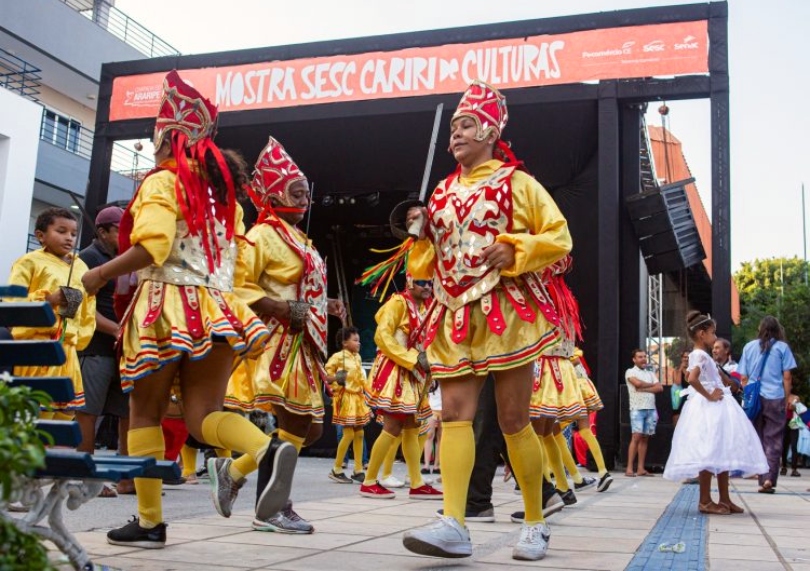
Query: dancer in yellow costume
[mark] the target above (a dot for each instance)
(556, 399)
(45, 273)
(349, 409)
(397, 388)
(489, 229)
(593, 403)
(286, 286)
(185, 322)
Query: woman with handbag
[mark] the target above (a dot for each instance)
(768, 361)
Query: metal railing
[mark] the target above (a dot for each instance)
(74, 138)
(20, 76)
(122, 26)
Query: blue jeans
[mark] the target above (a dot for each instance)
(643, 421)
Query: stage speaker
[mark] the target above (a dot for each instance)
(660, 443)
(665, 227)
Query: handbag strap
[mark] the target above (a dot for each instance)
(764, 359)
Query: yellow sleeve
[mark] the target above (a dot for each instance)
(23, 273)
(244, 282)
(85, 320)
(272, 257)
(420, 260)
(389, 318)
(334, 364)
(155, 211)
(539, 230)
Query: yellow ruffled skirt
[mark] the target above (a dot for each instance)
(70, 369)
(294, 382)
(590, 398)
(556, 393)
(483, 351)
(395, 390)
(350, 409)
(155, 330)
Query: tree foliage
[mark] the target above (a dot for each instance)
(777, 287)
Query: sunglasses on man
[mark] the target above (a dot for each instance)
(423, 283)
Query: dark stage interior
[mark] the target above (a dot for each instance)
(362, 166)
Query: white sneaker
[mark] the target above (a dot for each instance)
(444, 537)
(533, 542)
(427, 480)
(392, 482)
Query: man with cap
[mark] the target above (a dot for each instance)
(99, 364)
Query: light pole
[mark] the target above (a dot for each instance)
(804, 235)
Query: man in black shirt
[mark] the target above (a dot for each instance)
(102, 383)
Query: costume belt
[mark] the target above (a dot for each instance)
(516, 290)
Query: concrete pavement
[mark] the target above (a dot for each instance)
(622, 528)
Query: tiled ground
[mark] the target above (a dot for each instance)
(602, 532)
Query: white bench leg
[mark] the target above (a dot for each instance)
(50, 505)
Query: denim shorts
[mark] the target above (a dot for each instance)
(643, 421)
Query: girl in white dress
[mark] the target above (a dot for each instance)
(713, 435)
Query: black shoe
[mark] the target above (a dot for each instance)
(134, 535)
(586, 483)
(274, 481)
(427, 471)
(174, 481)
(604, 482)
(485, 516)
(568, 497)
(359, 477)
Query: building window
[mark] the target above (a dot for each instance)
(60, 131)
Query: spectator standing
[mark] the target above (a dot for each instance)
(770, 354)
(98, 361)
(641, 388)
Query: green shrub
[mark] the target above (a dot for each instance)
(21, 453)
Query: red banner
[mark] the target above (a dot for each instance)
(638, 51)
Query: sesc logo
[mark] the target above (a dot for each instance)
(656, 46)
(689, 43)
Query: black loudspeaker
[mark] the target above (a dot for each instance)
(665, 227)
(660, 443)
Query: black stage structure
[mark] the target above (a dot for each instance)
(581, 140)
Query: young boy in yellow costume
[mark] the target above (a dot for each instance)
(489, 229)
(185, 321)
(286, 286)
(349, 409)
(397, 388)
(45, 272)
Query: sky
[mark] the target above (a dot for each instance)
(768, 51)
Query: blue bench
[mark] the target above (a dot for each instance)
(74, 477)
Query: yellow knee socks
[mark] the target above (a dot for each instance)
(358, 449)
(390, 458)
(297, 441)
(378, 452)
(343, 447)
(189, 457)
(555, 460)
(457, 456)
(526, 458)
(412, 452)
(234, 432)
(148, 442)
(567, 459)
(596, 450)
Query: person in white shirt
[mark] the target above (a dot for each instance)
(641, 388)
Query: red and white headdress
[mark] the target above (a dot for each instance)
(187, 121)
(274, 174)
(184, 109)
(487, 106)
